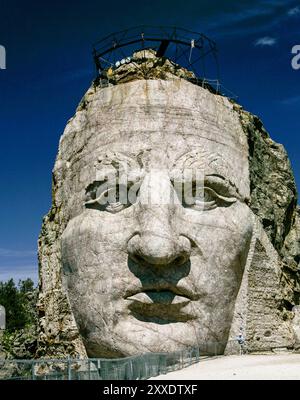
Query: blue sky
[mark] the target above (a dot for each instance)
(49, 67)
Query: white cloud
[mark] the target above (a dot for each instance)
(265, 41)
(17, 253)
(18, 264)
(268, 13)
(294, 11)
(290, 100)
(19, 272)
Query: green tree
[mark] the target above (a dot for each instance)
(26, 286)
(19, 303)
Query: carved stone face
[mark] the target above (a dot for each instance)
(158, 273)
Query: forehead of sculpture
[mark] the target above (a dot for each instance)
(167, 124)
(172, 106)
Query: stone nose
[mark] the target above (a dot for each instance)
(156, 241)
(155, 249)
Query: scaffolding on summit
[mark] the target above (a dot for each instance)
(193, 50)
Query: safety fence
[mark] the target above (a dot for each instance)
(141, 366)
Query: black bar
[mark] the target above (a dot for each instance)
(162, 48)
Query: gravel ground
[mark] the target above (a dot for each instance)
(248, 367)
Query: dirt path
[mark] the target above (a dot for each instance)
(258, 367)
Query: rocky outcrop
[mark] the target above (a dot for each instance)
(144, 65)
(291, 265)
(272, 197)
(274, 201)
(21, 344)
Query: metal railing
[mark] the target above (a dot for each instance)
(173, 42)
(213, 85)
(141, 366)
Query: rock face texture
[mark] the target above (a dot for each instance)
(129, 262)
(145, 65)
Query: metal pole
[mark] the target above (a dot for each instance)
(69, 370)
(32, 371)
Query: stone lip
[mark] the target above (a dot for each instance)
(158, 298)
(150, 306)
(163, 288)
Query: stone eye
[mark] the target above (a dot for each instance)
(116, 204)
(111, 199)
(200, 199)
(205, 198)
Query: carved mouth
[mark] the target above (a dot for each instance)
(161, 293)
(158, 297)
(160, 305)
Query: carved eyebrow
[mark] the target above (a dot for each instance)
(118, 159)
(216, 176)
(219, 183)
(209, 177)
